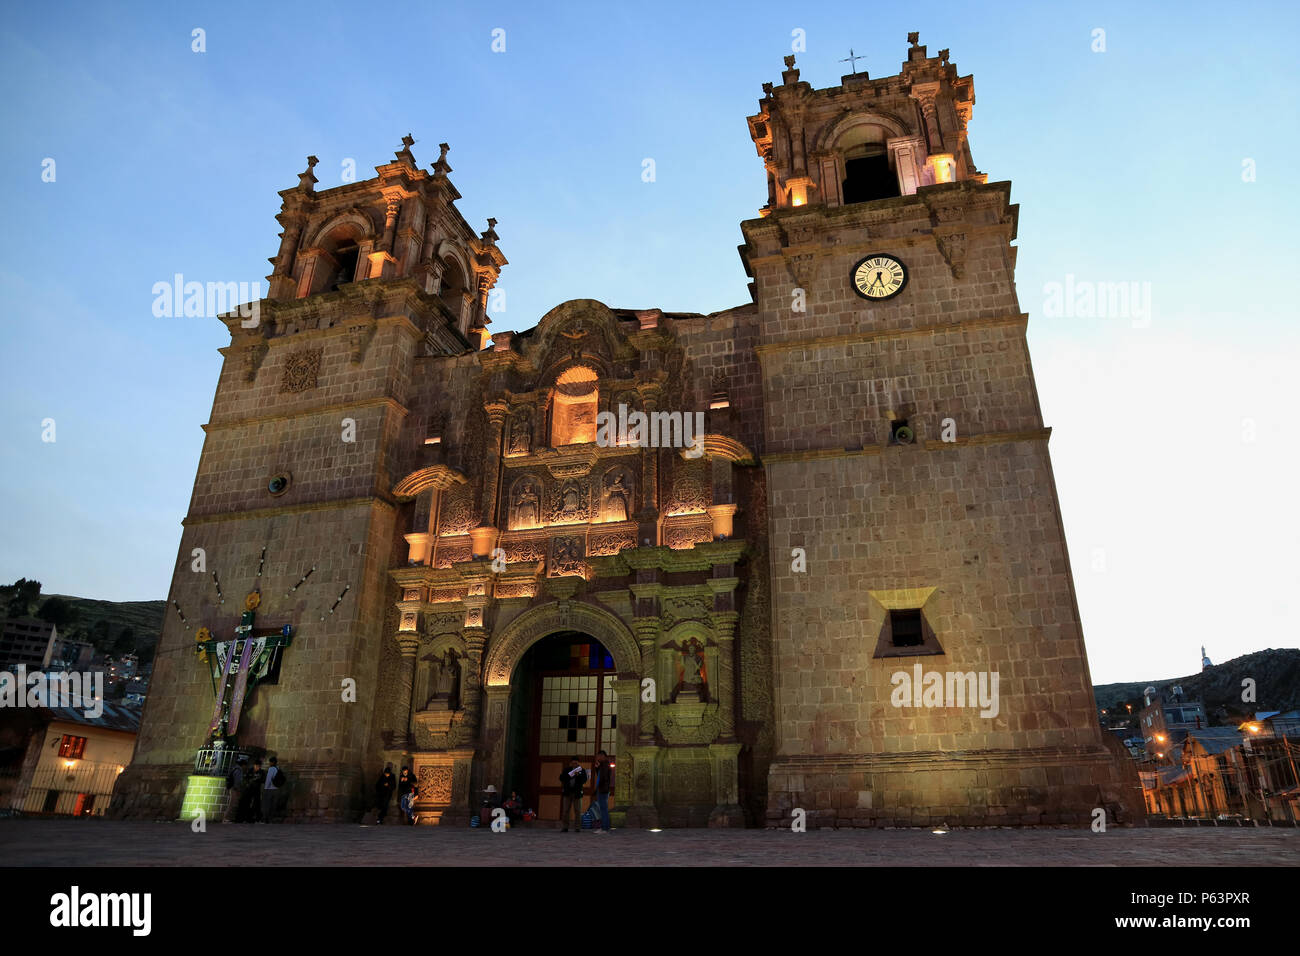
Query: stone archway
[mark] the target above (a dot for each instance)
(507, 649)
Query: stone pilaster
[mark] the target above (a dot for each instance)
(648, 630)
(724, 631)
(628, 694)
(639, 766)
(726, 780)
(494, 734)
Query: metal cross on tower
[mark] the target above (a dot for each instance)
(849, 60)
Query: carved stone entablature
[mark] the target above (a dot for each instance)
(453, 551)
(685, 532)
(534, 548)
(611, 542)
(689, 722)
(301, 369)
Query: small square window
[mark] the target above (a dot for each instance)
(906, 633)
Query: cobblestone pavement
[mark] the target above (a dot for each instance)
(114, 843)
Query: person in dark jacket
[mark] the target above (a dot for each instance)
(250, 803)
(384, 788)
(406, 794)
(572, 781)
(514, 807)
(602, 785)
(235, 784)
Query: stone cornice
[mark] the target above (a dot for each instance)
(255, 513)
(309, 410)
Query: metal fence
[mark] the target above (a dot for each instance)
(217, 761)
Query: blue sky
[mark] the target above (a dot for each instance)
(1173, 441)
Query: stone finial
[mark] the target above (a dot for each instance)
(490, 234)
(441, 167)
(767, 88)
(791, 75)
(404, 154)
(914, 38)
(943, 56)
(307, 179)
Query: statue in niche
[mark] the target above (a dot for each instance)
(692, 672)
(527, 505)
(571, 501)
(446, 682)
(521, 434)
(618, 498)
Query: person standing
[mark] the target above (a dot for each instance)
(249, 806)
(235, 790)
(384, 788)
(275, 779)
(573, 780)
(406, 794)
(602, 785)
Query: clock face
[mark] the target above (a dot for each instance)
(879, 277)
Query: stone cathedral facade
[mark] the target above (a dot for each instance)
(843, 595)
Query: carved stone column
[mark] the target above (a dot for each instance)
(471, 679)
(281, 282)
(496, 412)
(408, 642)
(394, 206)
(724, 629)
(926, 94)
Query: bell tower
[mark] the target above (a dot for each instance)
(929, 661)
(865, 140)
(323, 404)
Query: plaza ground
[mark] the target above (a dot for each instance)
(73, 842)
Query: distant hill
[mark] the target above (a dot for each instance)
(145, 618)
(1276, 673)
